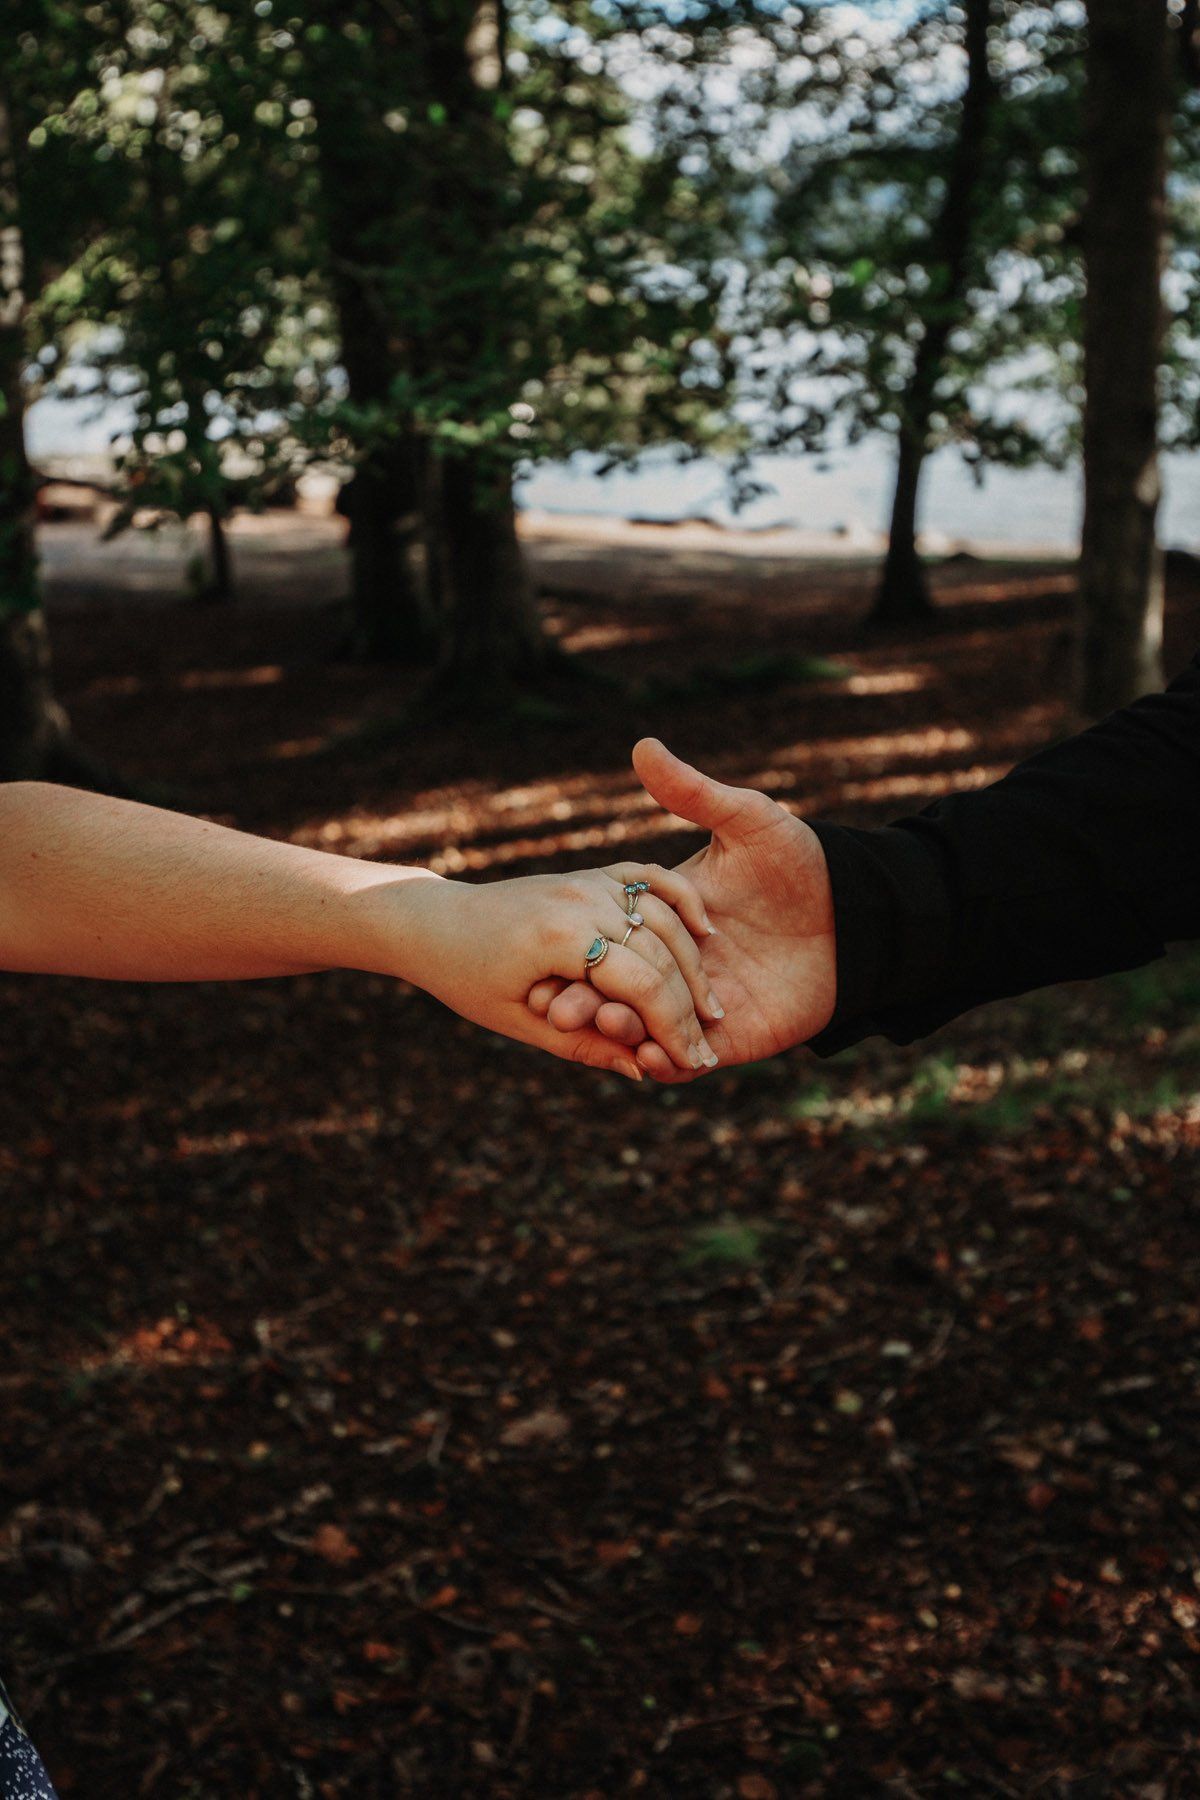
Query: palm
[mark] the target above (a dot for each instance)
(771, 961)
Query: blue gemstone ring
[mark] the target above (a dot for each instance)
(632, 890)
(596, 955)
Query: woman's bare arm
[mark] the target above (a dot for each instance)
(110, 889)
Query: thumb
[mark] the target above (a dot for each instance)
(682, 789)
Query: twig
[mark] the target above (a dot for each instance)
(130, 1636)
(675, 1726)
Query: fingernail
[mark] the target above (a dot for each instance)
(634, 1073)
(715, 1007)
(710, 928)
(708, 1055)
(695, 1056)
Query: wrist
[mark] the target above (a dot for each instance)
(404, 925)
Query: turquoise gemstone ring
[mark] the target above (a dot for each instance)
(632, 890)
(596, 954)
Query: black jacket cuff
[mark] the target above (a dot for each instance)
(896, 927)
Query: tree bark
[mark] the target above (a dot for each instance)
(395, 619)
(495, 637)
(218, 588)
(903, 595)
(33, 727)
(365, 189)
(1126, 126)
(494, 634)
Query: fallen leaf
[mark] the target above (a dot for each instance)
(756, 1787)
(331, 1543)
(549, 1426)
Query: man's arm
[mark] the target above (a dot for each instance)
(1082, 861)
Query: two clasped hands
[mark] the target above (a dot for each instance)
(766, 951)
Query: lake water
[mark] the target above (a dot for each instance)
(848, 492)
(851, 493)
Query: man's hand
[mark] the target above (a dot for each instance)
(765, 885)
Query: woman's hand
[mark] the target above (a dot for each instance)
(481, 948)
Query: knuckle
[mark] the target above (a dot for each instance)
(646, 983)
(564, 933)
(659, 956)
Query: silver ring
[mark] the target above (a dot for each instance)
(632, 890)
(635, 919)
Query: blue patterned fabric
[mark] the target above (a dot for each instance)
(22, 1774)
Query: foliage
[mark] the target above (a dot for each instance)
(836, 133)
(191, 301)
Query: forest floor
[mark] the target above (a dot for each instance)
(389, 1411)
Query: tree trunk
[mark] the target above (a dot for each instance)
(218, 588)
(394, 616)
(494, 632)
(33, 728)
(365, 193)
(903, 595)
(495, 636)
(1126, 125)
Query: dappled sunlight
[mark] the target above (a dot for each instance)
(886, 681)
(998, 1094)
(457, 817)
(606, 842)
(884, 746)
(333, 1124)
(457, 829)
(894, 789)
(585, 640)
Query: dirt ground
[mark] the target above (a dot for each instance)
(388, 1411)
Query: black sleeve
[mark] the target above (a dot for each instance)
(1083, 860)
